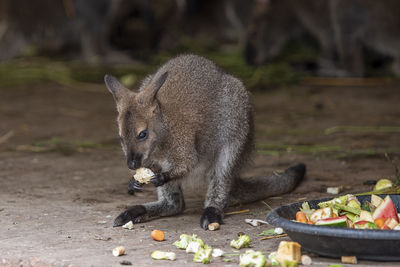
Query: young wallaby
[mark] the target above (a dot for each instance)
(191, 120)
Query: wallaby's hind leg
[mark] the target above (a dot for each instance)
(219, 186)
(170, 201)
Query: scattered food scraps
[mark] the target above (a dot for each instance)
(349, 259)
(252, 258)
(157, 235)
(128, 225)
(242, 242)
(288, 251)
(255, 222)
(213, 226)
(118, 251)
(334, 190)
(162, 255)
(203, 255)
(271, 232)
(306, 260)
(217, 252)
(143, 175)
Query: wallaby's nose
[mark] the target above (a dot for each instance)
(134, 161)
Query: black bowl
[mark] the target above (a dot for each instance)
(380, 245)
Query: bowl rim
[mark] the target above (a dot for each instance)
(275, 219)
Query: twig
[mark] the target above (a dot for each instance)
(273, 236)
(266, 204)
(7, 136)
(236, 212)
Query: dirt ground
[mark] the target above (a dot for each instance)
(63, 177)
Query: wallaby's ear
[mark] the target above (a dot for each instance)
(115, 87)
(149, 94)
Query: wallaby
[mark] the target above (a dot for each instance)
(191, 120)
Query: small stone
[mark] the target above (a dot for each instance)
(125, 262)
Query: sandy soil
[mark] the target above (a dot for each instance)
(63, 178)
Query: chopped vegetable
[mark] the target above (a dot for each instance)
(366, 216)
(386, 209)
(217, 252)
(185, 240)
(157, 235)
(305, 207)
(252, 258)
(376, 200)
(334, 190)
(301, 217)
(348, 208)
(203, 255)
(382, 184)
(272, 259)
(349, 259)
(288, 251)
(161, 255)
(390, 223)
(143, 175)
(242, 242)
(288, 263)
(320, 214)
(194, 246)
(380, 222)
(365, 225)
(334, 222)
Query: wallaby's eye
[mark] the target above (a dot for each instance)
(142, 135)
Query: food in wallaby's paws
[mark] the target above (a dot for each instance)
(143, 175)
(347, 211)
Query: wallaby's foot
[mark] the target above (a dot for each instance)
(134, 214)
(210, 215)
(159, 179)
(134, 186)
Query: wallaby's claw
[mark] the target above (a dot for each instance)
(159, 179)
(134, 214)
(134, 186)
(210, 215)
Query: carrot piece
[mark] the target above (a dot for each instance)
(157, 235)
(380, 222)
(301, 217)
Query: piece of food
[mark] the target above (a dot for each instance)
(289, 264)
(305, 207)
(334, 222)
(128, 225)
(365, 225)
(272, 259)
(382, 184)
(390, 223)
(353, 210)
(252, 258)
(306, 260)
(143, 175)
(380, 222)
(217, 252)
(158, 235)
(213, 226)
(203, 255)
(185, 240)
(349, 259)
(366, 216)
(118, 251)
(288, 251)
(376, 200)
(194, 246)
(320, 214)
(301, 217)
(386, 209)
(242, 242)
(334, 190)
(162, 255)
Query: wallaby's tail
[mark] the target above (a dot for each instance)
(260, 187)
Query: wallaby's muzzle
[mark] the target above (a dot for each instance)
(134, 161)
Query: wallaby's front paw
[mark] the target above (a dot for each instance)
(210, 215)
(160, 178)
(134, 214)
(134, 186)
